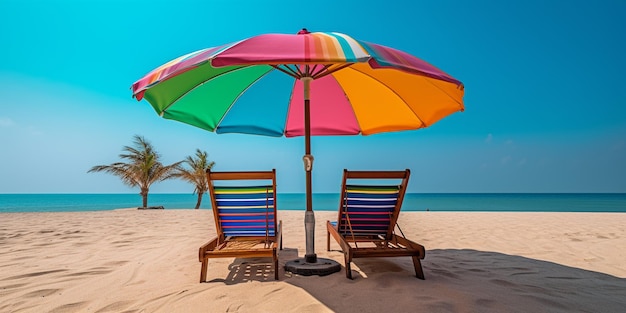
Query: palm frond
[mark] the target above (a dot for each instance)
(193, 170)
(143, 167)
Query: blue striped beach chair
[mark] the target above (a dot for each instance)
(245, 218)
(368, 217)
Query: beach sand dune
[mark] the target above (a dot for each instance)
(146, 261)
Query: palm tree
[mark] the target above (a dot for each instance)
(143, 167)
(196, 173)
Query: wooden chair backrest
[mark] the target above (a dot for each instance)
(373, 209)
(244, 209)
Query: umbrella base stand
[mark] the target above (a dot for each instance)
(320, 267)
(310, 264)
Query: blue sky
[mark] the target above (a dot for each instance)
(545, 101)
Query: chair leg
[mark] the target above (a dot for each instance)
(419, 272)
(327, 241)
(203, 270)
(275, 268)
(348, 268)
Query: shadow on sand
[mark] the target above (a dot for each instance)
(249, 269)
(464, 281)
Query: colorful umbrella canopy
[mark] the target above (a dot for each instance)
(357, 87)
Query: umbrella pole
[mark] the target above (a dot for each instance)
(309, 216)
(310, 265)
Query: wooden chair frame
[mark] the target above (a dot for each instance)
(389, 245)
(223, 246)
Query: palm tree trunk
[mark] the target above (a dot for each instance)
(144, 197)
(200, 194)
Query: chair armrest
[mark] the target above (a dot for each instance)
(345, 246)
(210, 245)
(413, 245)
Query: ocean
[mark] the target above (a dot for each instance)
(465, 202)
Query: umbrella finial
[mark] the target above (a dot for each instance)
(303, 31)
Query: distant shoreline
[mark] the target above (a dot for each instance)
(455, 202)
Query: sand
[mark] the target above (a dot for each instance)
(146, 261)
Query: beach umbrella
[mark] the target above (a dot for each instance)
(332, 84)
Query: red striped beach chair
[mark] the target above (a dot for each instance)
(245, 218)
(367, 219)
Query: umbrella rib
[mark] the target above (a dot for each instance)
(287, 70)
(311, 71)
(327, 70)
(317, 74)
(297, 69)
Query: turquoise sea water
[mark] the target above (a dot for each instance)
(497, 202)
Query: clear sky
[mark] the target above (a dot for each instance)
(545, 100)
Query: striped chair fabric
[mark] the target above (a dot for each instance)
(366, 210)
(246, 211)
